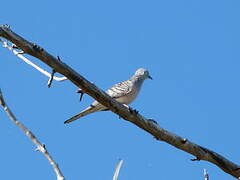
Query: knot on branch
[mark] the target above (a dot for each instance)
(237, 169)
(196, 159)
(184, 140)
(41, 148)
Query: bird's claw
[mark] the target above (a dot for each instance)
(37, 48)
(133, 111)
(152, 121)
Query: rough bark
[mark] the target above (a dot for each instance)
(149, 125)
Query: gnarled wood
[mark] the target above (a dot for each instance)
(148, 125)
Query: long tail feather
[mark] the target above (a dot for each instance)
(81, 114)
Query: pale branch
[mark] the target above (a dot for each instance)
(40, 147)
(117, 169)
(26, 60)
(206, 176)
(148, 125)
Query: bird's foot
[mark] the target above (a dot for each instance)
(37, 48)
(152, 121)
(133, 111)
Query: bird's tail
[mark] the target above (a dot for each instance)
(85, 112)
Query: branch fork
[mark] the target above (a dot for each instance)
(87, 87)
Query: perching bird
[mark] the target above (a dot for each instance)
(124, 92)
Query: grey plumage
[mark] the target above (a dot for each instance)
(124, 92)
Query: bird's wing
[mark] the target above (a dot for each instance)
(120, 89)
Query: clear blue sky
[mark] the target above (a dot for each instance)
(191, 49)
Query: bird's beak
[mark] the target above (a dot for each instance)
(150, 77)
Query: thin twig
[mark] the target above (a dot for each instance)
(117, 169)
(40, 147)
(81, 94)
(206, 176)
(51, 78)
(201, 153)
(26, 60)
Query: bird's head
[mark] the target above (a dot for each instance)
(143, 74)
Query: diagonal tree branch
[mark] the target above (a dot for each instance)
(148, 125)
(40, 147)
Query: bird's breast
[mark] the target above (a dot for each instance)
(128, 98)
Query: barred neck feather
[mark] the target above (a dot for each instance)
(135, 78)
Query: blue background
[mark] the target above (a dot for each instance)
(191, 49)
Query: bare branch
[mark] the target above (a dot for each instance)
(26, 60)
(51, 78)
(117, 170)
(206, 177)
(40, 147)
(149, 126)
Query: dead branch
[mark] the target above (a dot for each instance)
(19, 54)
(149, 125)
(117, 169)
(40, 147)
(206, 176)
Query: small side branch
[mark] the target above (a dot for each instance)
(148, 125)
(51, 78)
(40, 147)
(81, 94)
(206, 176)
(26, 60)
(117, 170)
